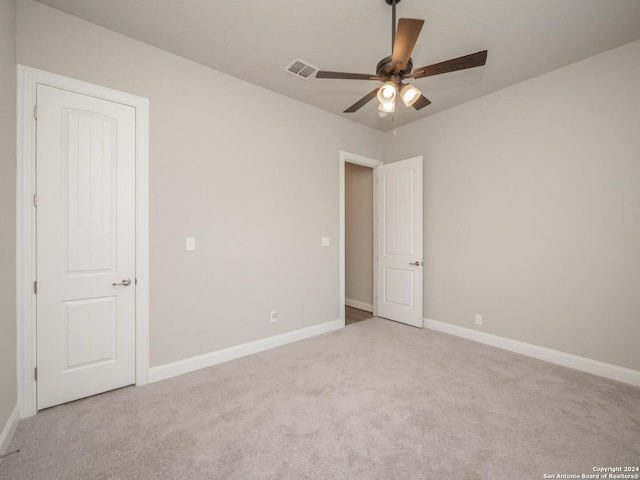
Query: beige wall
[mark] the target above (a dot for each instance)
(8, 389)
(532, 209)
(256, 183)
(358, 182)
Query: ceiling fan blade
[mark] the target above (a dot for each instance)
(421, 102)
(461, 63)
(363, 101)
(346, 76)
(406, 38)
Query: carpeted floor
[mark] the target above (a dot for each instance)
(377, 400)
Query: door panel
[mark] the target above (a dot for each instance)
(91, 332)
(398, 286)
(90, 178)
(85, 244)
(398, 211)
(400, 241)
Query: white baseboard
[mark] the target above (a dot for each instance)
(367, 307)
(614, 372)
(9, 429)
(162, 372)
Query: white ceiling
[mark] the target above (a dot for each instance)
(256, 39)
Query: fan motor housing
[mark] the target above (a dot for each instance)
(385, 67)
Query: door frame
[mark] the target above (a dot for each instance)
(28, 79)
(346, 157)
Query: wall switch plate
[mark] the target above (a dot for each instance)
(478, 319)
(190, 243)
(274, 316)
(326, 241)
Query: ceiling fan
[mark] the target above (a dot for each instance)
(395, 69)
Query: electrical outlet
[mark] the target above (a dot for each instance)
(274, 316)
(478, 319)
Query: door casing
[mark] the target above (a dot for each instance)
(347, 157)
(28, 79)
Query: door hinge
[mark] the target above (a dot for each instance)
(35, 199)
(35, 374)
(35, 287)
(35, 112)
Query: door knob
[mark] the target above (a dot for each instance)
(126, 282)
(416, 263)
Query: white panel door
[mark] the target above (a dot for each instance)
(399, 230)
(85, 184)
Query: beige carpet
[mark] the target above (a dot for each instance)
(376, 400)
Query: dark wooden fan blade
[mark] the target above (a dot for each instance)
(406, 37)
(421, 102)
(346, 76)
(362, 102)
(461, 63)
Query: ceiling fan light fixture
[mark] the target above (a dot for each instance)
(387, 107)
(394, 69)
(387, 92)
(409, 94)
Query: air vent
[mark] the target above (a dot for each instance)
(301, 69)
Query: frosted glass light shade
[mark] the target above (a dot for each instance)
(387, 92)
(387, 107)
(409, 94)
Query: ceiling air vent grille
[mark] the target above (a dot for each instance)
(301, 69)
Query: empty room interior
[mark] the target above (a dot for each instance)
(373, 239)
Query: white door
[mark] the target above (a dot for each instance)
(399, 230)
(85, 183)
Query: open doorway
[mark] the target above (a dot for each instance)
(397, 238)
(359, 234)
(358, 239)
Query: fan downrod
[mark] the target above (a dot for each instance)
(385, 67)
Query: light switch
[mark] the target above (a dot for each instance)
(191, 243)
(326, 241)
